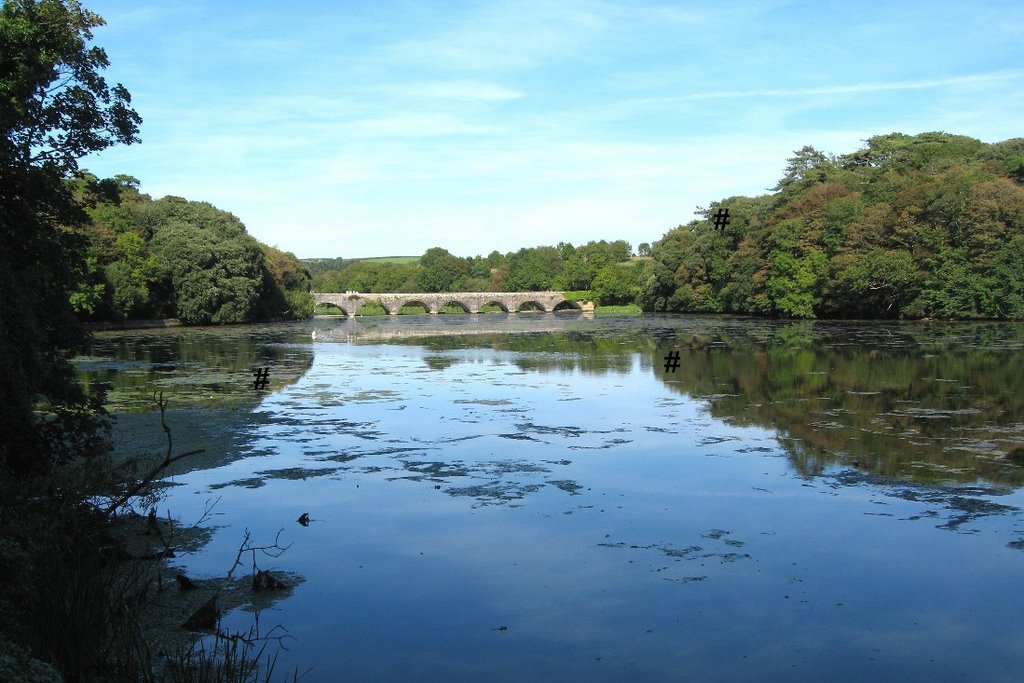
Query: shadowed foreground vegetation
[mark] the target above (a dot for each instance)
(79, 568)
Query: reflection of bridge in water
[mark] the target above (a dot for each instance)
(470, 302)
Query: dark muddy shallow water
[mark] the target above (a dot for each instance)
(798, 501)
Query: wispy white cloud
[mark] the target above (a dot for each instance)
(372, 128)
(475, 91)
(858, 88)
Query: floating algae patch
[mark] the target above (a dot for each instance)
(610, 443)
(963, 503)
(547, 429)
(485, 401)
(454, 439)
(371, 395)
(503, 467)
(396, 450)
(250, 483)
(519, 437)
(569, 486)
(716, 534)
(435, 470)
(686, 579)
(934, 413)
(495, 492)
(298, 473)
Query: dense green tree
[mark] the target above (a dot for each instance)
(132, 275)
(215, 269)
(619, 250)
(580, 265)
(286, 286)
(617, 283)
(90, 288)
(807, 167)
(369, 276)
(440, 271)
(658, 288)
(909, 226)
(878, 284)
(499, 279)
(577, 273)
(495, 259)
(55, 107)
(174, 257)
(532, 270)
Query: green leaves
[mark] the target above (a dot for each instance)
(616, 284)
(792, 284)
(55, 107)
(878, 284)
(214, 268)
(910, 226)
(440, 271)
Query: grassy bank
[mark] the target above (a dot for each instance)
(627, 310)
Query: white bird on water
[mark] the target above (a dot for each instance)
(314, 335)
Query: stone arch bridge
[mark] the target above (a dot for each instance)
(471, 302)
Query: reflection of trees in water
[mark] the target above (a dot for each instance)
(548, 352)
(209, 367)
(934, 403)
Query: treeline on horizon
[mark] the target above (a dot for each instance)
(606, 270)
(925, 226)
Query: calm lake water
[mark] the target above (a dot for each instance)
(534, 497)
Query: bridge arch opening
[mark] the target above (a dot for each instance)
(567, 306)
(372, 308)
(412, 307)
(494, 307)
(531, 306)
(329, 309)
(454, 306)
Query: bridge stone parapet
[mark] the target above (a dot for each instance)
(472, 302)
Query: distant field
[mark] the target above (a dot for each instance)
(390, 259)
(321, 265)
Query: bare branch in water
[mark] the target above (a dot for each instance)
(168, 460)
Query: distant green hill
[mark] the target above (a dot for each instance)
(316, 266)
(392, 259)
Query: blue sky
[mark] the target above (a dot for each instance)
(364, 128)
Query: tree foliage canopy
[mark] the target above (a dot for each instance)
(55, 107)
(929, 225)
(176, 258)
